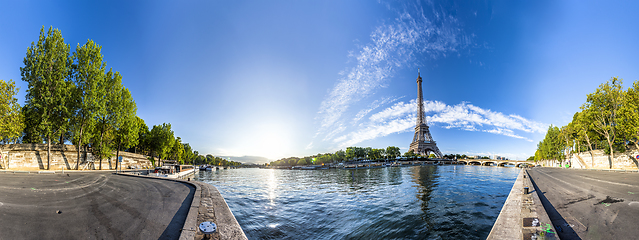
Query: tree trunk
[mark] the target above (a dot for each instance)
(612, 153)
(100, 149)
(86, 152)
(592, 158)
(48, 152)
(77, 165)
(117, 156)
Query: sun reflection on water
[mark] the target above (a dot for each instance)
(272, 185)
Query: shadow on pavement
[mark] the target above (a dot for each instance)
(173, 230)
(566, 232)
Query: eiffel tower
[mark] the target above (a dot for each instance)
(423, 142)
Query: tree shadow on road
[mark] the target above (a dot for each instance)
(566, 232)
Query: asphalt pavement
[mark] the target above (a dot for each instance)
(585, 204)
(91, 206)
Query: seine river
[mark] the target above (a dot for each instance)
(420, 202)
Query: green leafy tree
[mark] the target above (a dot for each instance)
(552, 146)
(107, 118)
(47, 69)
(189, 155)
(392, 152)
(629, 118)
(602, 108)
(566, 135)
(144, 138)
(125, 121)
(584, 131)
(162, 140)
(90, 87)
(340, 156)
(11, 118)
(410, 154)
(351, 153)
(177, 150)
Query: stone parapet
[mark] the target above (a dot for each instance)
(597, 160)
(523, 215)
(34, 156)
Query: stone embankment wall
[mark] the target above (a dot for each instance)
(598, 160)
(34, 156)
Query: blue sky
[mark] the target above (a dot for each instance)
(273, 79)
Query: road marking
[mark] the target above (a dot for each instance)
(633, 204)
(622, 184)
(569, 184)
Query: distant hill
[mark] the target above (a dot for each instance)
(248, 159)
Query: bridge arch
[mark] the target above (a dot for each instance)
(503, 164)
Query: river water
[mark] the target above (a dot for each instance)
(419, 202)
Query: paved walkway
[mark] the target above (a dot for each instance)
(91, 206)
(590, 204)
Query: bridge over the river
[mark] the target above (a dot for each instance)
(493, 162)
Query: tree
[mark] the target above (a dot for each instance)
(566, 133)
(629, 118)
(392, 152)
(351, 153)
(340, 156)
(189, 155)
(584, 132)
(144, 138)
(125, 121)
(90, 86)
(602, 108)
(161, 140)
(552, 145)
(11, 118)
(410, 154)
(177, 150)
(375, 153)
(107, 117)
(47, 68)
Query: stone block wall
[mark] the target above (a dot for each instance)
(598, 160)
(34, 156)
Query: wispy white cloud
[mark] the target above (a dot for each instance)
(374, 105)
(392, 45)
(401, 117)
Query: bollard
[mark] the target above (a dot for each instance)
(208, 228)
(525, 190)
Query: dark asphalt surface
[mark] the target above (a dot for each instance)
(91, 206)
(590, 204)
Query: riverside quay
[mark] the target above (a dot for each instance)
(106, 205)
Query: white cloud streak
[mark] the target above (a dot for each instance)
(401, 117)
(392, 46)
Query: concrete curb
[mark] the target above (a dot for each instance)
(214, 208)
(523, 215)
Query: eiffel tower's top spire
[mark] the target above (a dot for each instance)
(420, 101)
